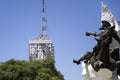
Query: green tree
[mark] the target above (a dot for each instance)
(29, 70)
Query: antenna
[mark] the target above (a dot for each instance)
(44, 21)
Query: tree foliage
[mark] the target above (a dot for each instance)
(29, 70)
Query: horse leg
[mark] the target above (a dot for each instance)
(114, 75)
(85, 56)
(118, 67)
(98, 64)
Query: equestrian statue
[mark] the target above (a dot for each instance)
(102, 56)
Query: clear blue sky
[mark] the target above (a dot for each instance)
(21, 20)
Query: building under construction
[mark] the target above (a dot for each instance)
(41, 47)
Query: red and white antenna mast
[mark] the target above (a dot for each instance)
(44, 21)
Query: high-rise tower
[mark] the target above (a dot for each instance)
(41, 47)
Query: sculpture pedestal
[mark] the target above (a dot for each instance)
(89, 73)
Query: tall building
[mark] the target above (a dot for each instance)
(41, 47)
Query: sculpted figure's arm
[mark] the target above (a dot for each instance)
(92, 33)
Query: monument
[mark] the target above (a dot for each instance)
(103, 63)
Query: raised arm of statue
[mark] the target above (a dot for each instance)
(92, 33)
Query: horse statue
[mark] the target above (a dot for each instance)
(102, 59)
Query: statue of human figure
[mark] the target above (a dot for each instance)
(100, 56)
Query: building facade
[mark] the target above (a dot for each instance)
(40, 48)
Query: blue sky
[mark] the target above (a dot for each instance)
(21, 20)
